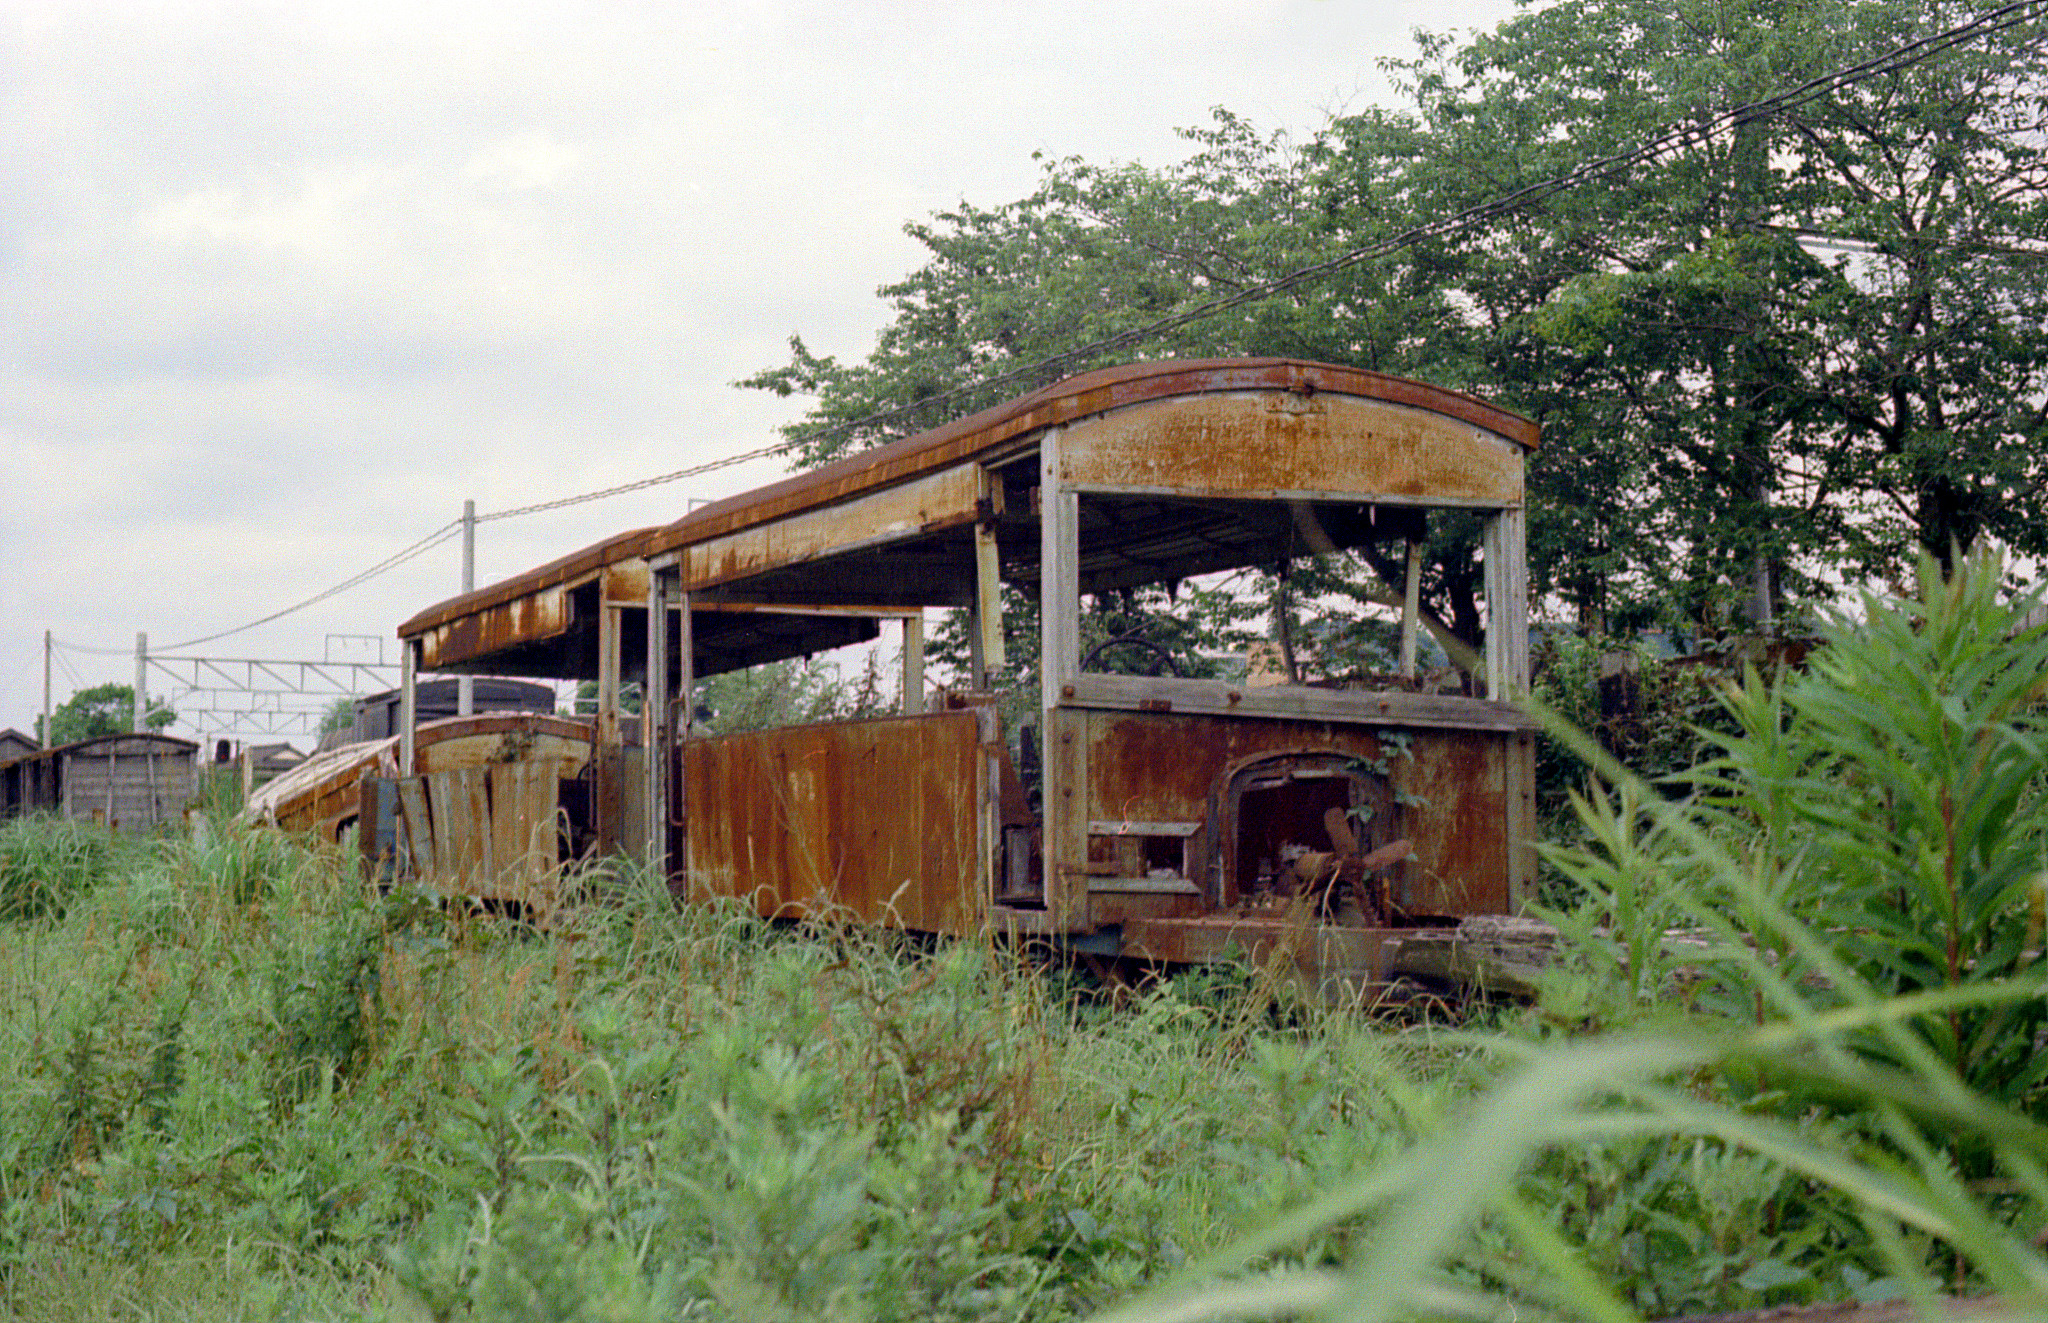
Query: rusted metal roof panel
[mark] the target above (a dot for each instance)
(543, 612)
(942, 500)
(1278, 445)
(575, 568)
(1076, 397)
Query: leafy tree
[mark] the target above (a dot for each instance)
(1098, 250)
(1808, 339)
(794, 692)
(1810, 343)
(340, 715)
(106, 709)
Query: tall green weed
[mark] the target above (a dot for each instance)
(48, 863)
(1790, 1056)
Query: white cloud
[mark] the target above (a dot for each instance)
(286, 283)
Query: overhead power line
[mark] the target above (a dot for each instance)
(1674, 138)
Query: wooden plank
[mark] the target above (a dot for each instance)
(1119, 828)
(607, 793)
(678, 808)
(377, 829)
(408, 704)
(988, 602)
(418, 824)
(1168, 886)
(1146, 693)
(1519, 793)
(655, 735)
(1507, 607)
(913, 664)
(946, 499)
(475, 789)
(1411, 606)
(460, 803)
(522, 864)
(1066, 819)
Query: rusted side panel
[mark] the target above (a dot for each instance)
(625, 583)
(542, 614)
(1163, 768)
(877, 819)
(565, 750)
(1340, 963)
(1278, 442)
(523, 850)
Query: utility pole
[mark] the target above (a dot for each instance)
(46, 689)
(465, 688)
(138, 724)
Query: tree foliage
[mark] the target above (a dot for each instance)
(1813, 343)
(1804, 348)
(106, 709)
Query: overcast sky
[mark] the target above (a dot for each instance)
(285, 284)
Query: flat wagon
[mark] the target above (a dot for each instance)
(1166, 812)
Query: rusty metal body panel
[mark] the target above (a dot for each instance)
(881, 820)
(1280, 445)
(1149, 776)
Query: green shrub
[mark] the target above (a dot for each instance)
(47, 864)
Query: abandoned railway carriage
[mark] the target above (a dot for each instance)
(130, 782)
(1167, 807)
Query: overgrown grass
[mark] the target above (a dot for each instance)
(235, 1084)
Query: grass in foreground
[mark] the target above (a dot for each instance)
(233, 1084)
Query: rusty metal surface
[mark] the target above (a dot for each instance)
(1076, 397)
(947, 499)
(576, 567)
(1326, 955)
(875, 819)
(1278, 444)
(1169, 767)
(546, 612)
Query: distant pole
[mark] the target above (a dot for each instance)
(46, 689)
(138, 725)
(465, 688)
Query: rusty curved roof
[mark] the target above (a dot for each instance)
(566, 569)
(963, 438)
